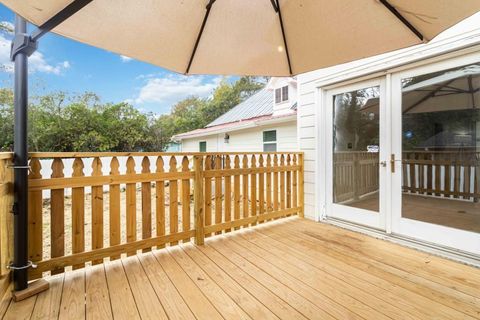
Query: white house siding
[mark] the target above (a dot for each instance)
(308, 143)
(247, 140)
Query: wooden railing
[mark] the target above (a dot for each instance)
(6, 220)
(434, 173)
(84, 207)
(355, 174)
(442, 174)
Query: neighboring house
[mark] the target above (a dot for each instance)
(266, 121)
(392, 145)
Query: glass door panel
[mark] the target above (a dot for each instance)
(440, 157)
(355, 149)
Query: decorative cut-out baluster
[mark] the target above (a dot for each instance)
(97, 209)
(78, 211)
(173, 186)
(236, 191)
(269, 184)
(245, 205)
(131, 204)
(275, 184)
(146, 203)
(57, 214)
(185, 198)
(114, 206)
(288, 183)
(253, 188)
(261, 187)
(218, 192)
(228, 193)
(160, 200)
(208, 194)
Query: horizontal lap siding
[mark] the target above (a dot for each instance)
(247, 140)
(308, 142)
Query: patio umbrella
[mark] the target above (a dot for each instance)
(247, 37)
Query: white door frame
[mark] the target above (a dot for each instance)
(441, 235)
(356, 215)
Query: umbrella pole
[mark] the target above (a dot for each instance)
(20, 211)
(22, 47)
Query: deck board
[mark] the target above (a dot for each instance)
(287, 269)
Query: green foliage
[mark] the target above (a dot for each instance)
(60, 122)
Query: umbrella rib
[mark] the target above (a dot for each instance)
(199, 36)
(279, 12)
(59, 17)
(399, 16)
(426, 97)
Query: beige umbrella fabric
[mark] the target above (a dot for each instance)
(245, 37)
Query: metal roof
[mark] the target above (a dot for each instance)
(260, 104)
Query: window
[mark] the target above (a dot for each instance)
(270, 141)
(281, 94)
(285, 93)
(202, 146)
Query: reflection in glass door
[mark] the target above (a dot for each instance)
(440, 152)
(355, 193)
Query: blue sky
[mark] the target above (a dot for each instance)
(65, 65)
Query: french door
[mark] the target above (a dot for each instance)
(357, 147)
(436, 154)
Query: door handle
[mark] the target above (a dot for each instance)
(392, 162)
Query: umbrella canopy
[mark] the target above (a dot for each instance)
(250, 37)
(457, 89)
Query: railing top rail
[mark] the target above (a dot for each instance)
(6, 155)
(141, 154)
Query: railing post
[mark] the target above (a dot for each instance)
(198, 200)
(301, 194)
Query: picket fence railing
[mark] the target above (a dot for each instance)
(148, 200)
(443, 174)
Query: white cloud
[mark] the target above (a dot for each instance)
(7, 26)
(125, 58)
(171, 89)
(37, 62)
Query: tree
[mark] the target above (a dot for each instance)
(62, 122)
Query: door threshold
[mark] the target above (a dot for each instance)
(431, 248)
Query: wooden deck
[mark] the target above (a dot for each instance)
(288, 269)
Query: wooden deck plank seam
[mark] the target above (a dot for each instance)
(410, 281)
(151, 284)
(302, 310)
(359, 286)
(301, 279)
(288, 234)
(176, 286)
(130, 286)
(433, 277)
(249, 276)
(342, 280)
(295, 289)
